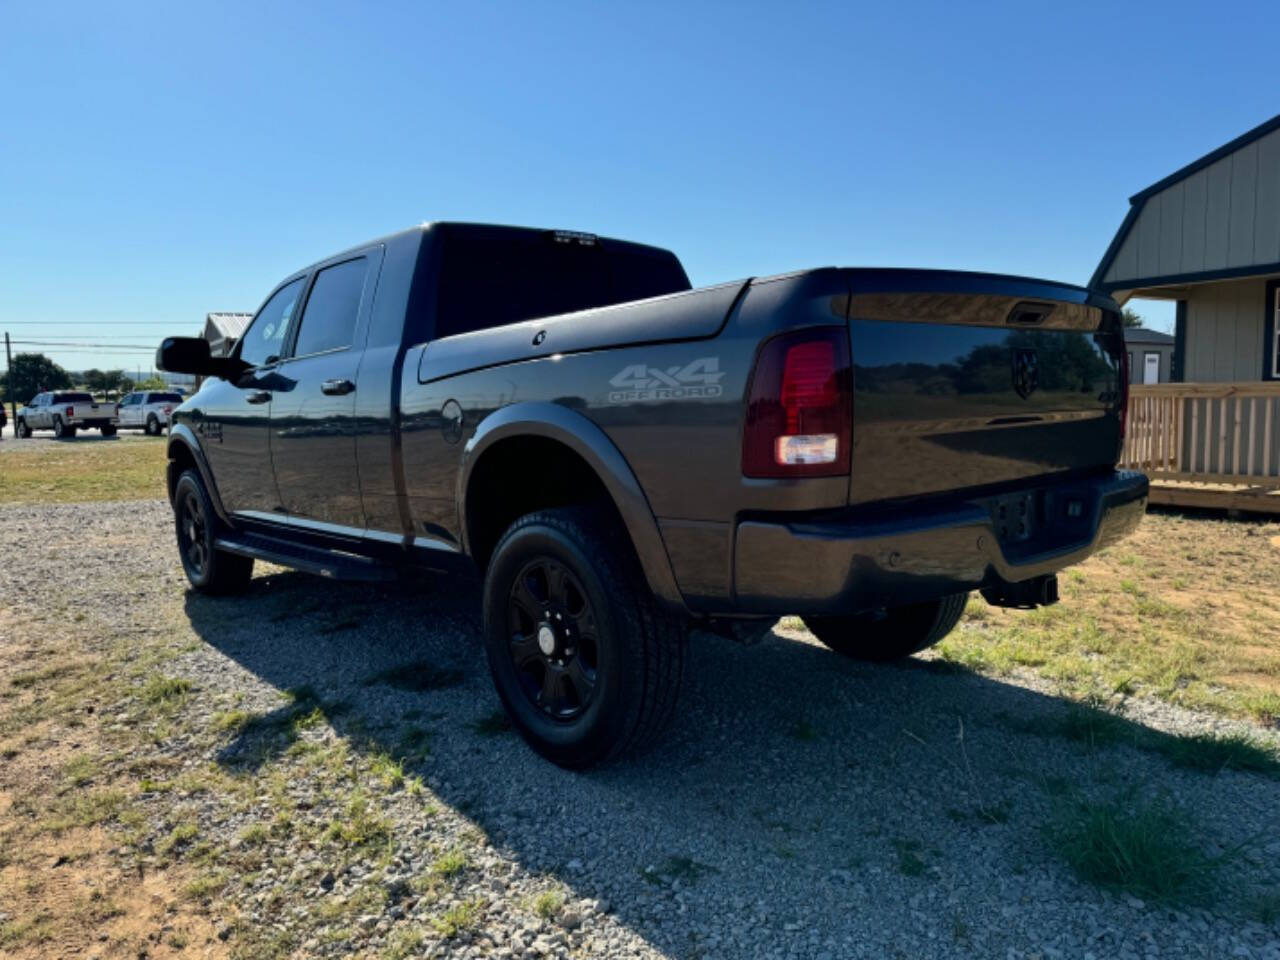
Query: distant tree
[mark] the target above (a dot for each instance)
(1131, 317)
(29, 374)
(152, 383)
(94, 380)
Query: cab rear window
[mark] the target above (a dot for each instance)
(491, 277)
(72, 398)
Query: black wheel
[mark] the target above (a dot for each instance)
(61, 430)
(108, 431)
(586, 664)
(892, 633)
(22, 430)
(209, 570)
(153, 427)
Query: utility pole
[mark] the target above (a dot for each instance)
(13, 400)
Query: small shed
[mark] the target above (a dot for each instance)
(1150, 355)
(222, 330)
(1207, 237)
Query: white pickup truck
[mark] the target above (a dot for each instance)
(148, 410)
(65, 412)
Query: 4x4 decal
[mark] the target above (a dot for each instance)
(696, 379)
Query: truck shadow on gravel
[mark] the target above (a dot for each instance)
(800, 802)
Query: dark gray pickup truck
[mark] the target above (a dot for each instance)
(622, 457)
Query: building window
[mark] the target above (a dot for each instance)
(1275, 335)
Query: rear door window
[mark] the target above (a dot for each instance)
(264, 340)
(329, 318)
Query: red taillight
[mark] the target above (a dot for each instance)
(71, 411)
(799, 408)
(168, 410)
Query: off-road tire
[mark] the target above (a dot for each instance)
(639, 648)
(217, 572)
(890, 634)
(22, 431)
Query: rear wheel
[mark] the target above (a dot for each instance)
(61, 430)
(891, 633)
(153, 427)
(209, 570)
(108, 431)
(586, 664)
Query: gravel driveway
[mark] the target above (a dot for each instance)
(803, 806)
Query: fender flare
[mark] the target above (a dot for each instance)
(587, 440)
(181, 435)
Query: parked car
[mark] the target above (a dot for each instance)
(65, 412)
(148, 410)
(622, 457)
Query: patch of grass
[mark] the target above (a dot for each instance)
(388, 770)
(548, 904)
(359, 826)
(232, 721)
(254, 835)
(803, 730)
(177, 838)
(1148, 849)
(27, 931)
(403, 944)
(492, 724)
(1266, 908)
(449, 864)
(1211, 753)
(43, 676)
(84, 808)
(80, 770)
(418, 676)
(464, 916)
(909, 862)
(88, 469)
(161, 689)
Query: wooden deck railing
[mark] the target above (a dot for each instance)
(1214, 433)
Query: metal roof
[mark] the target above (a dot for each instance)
(1143, 335)
(225, 325)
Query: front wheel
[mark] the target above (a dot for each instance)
(209, 570)
(22, 430)
(891, 633)
(586, 664)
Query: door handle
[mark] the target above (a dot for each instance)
(337, 388)
(259, 396)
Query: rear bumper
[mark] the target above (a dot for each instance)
(866, 558)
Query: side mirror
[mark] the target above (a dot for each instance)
(191, 355)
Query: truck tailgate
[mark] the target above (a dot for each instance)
(971, 380)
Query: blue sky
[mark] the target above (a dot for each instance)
(160, 161)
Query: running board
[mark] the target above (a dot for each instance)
(323, 563)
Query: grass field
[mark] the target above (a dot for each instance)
(1186, 610)
(81, 470)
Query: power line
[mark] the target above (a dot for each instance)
(84, 323)
(87, 346)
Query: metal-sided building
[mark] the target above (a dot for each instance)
(1208, 237)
